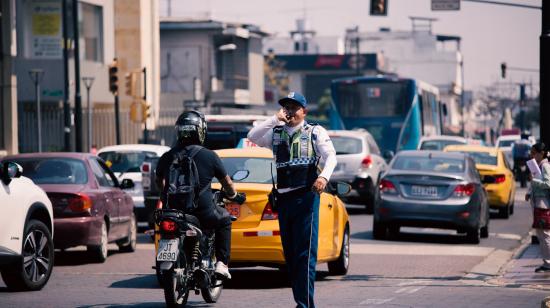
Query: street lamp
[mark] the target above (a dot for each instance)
(88, 82)
(36, 77)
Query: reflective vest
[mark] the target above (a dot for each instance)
(295, 157)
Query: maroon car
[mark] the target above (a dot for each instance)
(90, 205)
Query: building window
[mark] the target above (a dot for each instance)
(296, 46)
(91, 32)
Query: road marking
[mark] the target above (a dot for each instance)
(376, 301)
(425, 250)
(506, 236)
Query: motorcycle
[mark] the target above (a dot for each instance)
(186, 255)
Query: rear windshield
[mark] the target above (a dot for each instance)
(438, 145)
(505, 143)
(125, 161)
(54, 170)
(346, 145)
(259, 168)
(484, 158)
(434, 164)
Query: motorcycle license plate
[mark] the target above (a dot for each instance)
(168, 250)
(233, 209)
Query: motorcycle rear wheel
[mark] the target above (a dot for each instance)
(175, 295)
(211, 295)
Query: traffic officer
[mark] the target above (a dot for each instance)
(298, 148)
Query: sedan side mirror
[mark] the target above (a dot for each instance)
(339, 188)
(240, 175)
(10, 170)
(127, 184)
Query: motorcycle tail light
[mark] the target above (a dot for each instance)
(168, 226)
(464, 190)
(500, 178)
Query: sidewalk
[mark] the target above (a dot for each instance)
(520, 271)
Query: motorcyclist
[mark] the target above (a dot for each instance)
(520, 154)
(191, 130)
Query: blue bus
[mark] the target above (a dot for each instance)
(396, 111)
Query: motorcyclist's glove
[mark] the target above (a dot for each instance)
(239, 198)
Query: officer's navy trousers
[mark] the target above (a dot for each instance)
(299, 225)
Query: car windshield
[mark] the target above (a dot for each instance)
(346, 145)
(433, 164)
(125, 161)
(259, 168)
(54, 170)
(505, 143)
(438, 145)
(484, 158)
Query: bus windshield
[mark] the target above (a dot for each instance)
(372, 99)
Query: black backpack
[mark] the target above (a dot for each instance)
(183, 186)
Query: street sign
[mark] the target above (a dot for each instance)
(445, 5)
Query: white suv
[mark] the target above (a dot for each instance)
(26, 222)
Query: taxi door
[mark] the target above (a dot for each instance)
(327, 231)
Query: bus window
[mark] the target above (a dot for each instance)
(373, 99)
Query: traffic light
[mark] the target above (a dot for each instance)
(113, 77)
(503, 70)
(146, 110)
(131, 84)
(379, 7)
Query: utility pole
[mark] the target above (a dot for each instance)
(77, 97)
(36, 77)
(145, 131)
(66, 106)
(88, 82)
(113, 88)
(545, 73)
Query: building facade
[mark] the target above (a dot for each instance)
(206, 63)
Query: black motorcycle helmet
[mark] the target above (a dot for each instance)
(191, 127)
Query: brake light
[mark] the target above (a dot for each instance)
(387, 187)
(268, 213)
(168, 226)
(500, 178)
(80, 203)
(145, 167)
(464, 190)
(366, 162)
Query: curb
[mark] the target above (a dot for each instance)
(495, 264)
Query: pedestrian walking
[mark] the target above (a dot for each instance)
(298, 147)
(539, 197)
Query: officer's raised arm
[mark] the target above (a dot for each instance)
(262, 133)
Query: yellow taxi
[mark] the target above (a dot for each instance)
(255, 237)
(496, 175)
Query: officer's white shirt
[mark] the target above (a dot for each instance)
(262, 135)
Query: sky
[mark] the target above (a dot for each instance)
(491, 34)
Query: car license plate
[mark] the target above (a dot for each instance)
(234, 209)
(430, 191)
(168, 250)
